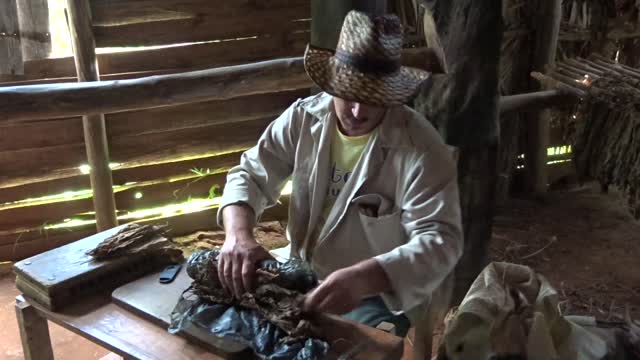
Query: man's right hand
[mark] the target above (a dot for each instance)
(237, 263)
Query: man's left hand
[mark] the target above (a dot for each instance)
(344, 289)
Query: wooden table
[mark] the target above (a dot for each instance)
(130, 336)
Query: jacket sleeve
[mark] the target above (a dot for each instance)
(431, 218)
(264, 169)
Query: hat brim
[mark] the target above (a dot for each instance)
(344, 81)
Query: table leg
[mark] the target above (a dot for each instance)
(34, 332)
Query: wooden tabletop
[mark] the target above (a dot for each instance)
(131, 336)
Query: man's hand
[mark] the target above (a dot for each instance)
(344, 289)
(237, 264)
(240, 252)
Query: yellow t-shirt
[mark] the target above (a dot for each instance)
(345, 153)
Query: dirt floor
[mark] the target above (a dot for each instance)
(582, 241)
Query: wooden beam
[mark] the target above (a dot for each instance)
(10, 51)
(99, 97)
(46, 101)
(548, 16)
(33, 16)
(95, 134)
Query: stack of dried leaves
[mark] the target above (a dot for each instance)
(277, 298)
(607, 147)
(136, 239)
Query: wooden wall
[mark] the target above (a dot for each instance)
(160, 156)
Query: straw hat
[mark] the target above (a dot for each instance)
(366, 64)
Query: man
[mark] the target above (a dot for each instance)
(374, 205)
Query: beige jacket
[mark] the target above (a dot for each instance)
(406, 172)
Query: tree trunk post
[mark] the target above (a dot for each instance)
(95, 135)
(463, 106)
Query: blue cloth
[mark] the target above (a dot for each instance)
(373, 311)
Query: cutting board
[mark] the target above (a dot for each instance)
(154, 301)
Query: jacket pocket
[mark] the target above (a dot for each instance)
(381, 222)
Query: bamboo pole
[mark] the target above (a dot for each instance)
(95, 134)
(535, 100)
(622, 70)
(569, 71)
(548, 14)
(584, 66)
(551, 82)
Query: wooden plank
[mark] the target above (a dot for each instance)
(42, 133)
(206, 27)
(56, 132)
(33, 16)
(171, 192)
(188, 143)
(100, 97)
(120, 12)
(10, 50)
(207, 55)
(151, 194)
(176, 58)
(132, 151)
(201, 114)
(35, 241)
(168, 170)
(34, 332)
(157, 193)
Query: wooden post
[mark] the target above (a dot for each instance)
(35, 38)
(463, 106)
(95, 135)
(548, 16)
(34, 332)
(10, 52)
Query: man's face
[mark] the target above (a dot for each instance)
(357, 119)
